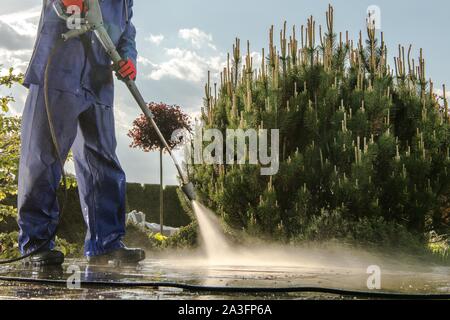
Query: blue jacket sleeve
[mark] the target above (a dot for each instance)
(127, 42)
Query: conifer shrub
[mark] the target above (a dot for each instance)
(364, 144)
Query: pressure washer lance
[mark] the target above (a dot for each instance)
(93, 21)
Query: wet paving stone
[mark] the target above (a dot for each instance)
(432, 280)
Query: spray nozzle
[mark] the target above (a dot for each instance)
(189, 191)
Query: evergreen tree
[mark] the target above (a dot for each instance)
(362, 144)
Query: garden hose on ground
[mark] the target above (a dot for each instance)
(241, 290)
(57, 152)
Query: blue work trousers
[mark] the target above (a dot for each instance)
(86, 127)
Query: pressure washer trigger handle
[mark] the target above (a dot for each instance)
(75, 32)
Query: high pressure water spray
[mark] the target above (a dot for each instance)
(93, 22)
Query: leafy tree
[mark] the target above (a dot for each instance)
(9, 166)
(9, 159)
(361, 144)
(170, 119)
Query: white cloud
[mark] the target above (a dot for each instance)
(123, 119)
(256, 59)
(17, 32)
(440, 93)
(186, 65)
(11, 40)
(25, 22)
(198, 38)
(155, 39)
(195, 115)
(18, 59)
(143, 61)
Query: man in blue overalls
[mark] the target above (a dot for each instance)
(81, 93)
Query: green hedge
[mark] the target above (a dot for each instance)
(143, 198)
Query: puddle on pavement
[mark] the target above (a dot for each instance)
(319, 270)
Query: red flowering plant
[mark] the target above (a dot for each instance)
(170, 119)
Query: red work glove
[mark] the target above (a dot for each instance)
(78, 3)
(126, 70)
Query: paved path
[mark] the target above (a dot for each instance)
(432, 279)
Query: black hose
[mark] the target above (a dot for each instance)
(57, 152)
(242, 290)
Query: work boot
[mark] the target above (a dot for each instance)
(45, 258)
(124, 255)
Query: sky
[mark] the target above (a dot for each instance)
(180, 40)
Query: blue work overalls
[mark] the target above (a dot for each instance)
(81, 94)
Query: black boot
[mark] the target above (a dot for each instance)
(122, 256)
(45, 258)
